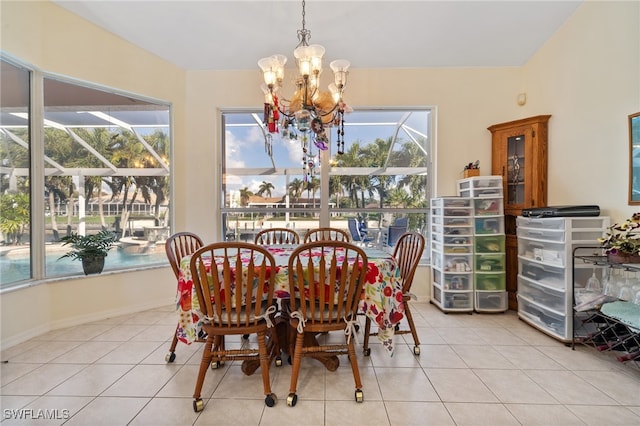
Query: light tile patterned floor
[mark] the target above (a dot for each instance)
(480, 369)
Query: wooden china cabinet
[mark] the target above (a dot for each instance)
(519, 155)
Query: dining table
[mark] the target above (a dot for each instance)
(381, 297)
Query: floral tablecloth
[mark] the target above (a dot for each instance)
(381, 301)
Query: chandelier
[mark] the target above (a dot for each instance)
(310, 111)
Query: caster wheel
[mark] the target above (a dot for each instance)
(171, 356)
(278, 362)
(416, 350)
(397, 327)
(357, 327)
(215, 365)
(367, 351)
(359, 395)
(198, 405)
(292, 399)
(271, 400)
(245, 336)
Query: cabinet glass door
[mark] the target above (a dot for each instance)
(515, 170)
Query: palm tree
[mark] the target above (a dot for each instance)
(313, 186)
(245, 194)
(375, 154)
(265, 188)
(295, 188)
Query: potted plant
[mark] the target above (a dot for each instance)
(90, 249)
(622, 241)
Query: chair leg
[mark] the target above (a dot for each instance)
(414, 333)
(367, 332)
(270, 398)
(353, 359)
(292, 398)
(204, 366)
(171, 356)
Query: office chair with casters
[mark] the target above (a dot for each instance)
(407, 253)
(326, 279)
(276, 236)
(235, 282)
(178, 246)
(328, 233)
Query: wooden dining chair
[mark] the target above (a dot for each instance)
(235, 282)
(178, 246)
(273, 236)
(407, 254)
(326, 279)
(326, 233)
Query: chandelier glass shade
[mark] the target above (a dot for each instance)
(309, 111)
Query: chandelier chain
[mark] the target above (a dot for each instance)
(304, 35)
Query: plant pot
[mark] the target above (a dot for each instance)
(93, 264)
(621, 257)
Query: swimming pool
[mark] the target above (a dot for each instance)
(18, 268)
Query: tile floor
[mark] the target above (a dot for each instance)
(480, 369)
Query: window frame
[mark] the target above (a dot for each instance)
(326, 170)
(36, 173)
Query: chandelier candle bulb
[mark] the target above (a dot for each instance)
(310, 110)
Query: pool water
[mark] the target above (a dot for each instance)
(14, 269)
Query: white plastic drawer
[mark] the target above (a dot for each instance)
(546, 318)
(541, 223)
(457, 300)
(457, 263)
(451, 248)
(458, 221)
(451, 202)
(455, 230)
(452, 281)
(552, 298)
(491, 301)
(542, 251)
(481, 192)
(458, 211)
(488, 206)
(475, 182)
(540, 234)
(547, 275)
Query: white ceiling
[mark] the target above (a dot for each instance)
(227, 35)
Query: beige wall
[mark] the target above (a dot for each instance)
(586, 76)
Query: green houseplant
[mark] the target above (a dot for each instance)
(90, 249)
(622, 241)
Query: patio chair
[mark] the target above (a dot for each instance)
(274, 236)
(326, 279)
(178, 246)
(394, 233)
(356, 236)
(236, 303)
(328, 233)
(407, 253)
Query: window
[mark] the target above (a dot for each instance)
(105, 165)
(382, 177)
(15, 190)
